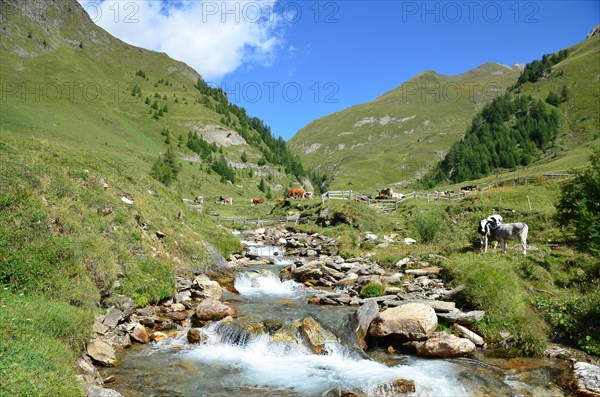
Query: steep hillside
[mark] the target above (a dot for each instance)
(67, 80)
(552, 109)
(397, 136)
(86, 215)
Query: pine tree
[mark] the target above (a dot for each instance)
(244, 157)
(553, 98)
(564, 93)
(261, 186)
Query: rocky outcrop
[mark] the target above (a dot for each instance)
(413, 321)
(443, 345)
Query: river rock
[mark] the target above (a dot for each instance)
(424, 271)
(395, 387)
(113, 317)
(287, 333)
(138, 332)
(157, 335)
(350, 279)
(413, 321)
(242, 329)
(195, 335)
(88, 373)
(315, 335)
(97, 391)
(203, 287)
(464, 332)
(102, 353)
(463, 318)
(438, 306)
(443, 345)
(126, 305)
(588, 379)
(308, 271)
(210, 310)
(365, 314)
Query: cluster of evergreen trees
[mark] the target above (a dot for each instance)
(255, 132)
(166, 168)
(535, 70)
(506, 133)
(205, 150)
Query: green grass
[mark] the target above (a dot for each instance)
(39, 341)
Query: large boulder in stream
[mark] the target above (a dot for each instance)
(413, 321)
(211, 310)
(315, 336)
(443, 345)
(241, 330)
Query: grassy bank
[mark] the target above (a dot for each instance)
(547, 295)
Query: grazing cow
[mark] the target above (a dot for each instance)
(398, 195)
(199, 200)
(297, 192)
(226, 200)
(279, 199)
(468, 188)
(257, 201)
(385, 193)
(493, 229)
(308, 195)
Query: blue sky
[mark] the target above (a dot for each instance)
(292, 62)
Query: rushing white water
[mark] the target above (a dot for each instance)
(292, 366)
(265, 282)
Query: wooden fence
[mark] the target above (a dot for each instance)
(391, 204)
(260, 222)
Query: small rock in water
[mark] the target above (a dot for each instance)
(195, 335)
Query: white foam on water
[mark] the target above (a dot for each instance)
(279, 365)
(265, 282)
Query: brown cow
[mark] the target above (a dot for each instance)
(385, 193)
(257, 201)
(279, 199)
(297, 192)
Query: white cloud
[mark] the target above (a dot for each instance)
(214, 37)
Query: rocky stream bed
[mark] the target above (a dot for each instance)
(291, 322)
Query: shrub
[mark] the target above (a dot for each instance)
(429, 225)
(372, 290)
(577, 319)
(578, 207)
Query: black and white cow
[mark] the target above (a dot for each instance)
(493, 229)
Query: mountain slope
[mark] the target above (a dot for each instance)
(399, 135)
(553, 108)
(67, 80)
